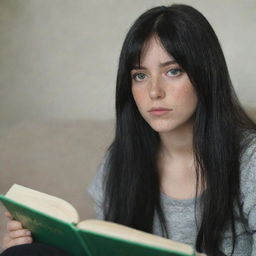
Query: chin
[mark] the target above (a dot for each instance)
(167, 126)
(162, 127)
(162, 130)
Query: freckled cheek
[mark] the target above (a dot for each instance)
(139, 96)
(184, 95)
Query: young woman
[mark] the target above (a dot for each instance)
(183, 161)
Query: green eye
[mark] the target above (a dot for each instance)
(139, 77)
(174, 72)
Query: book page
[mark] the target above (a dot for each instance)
(43, 202)
(130, 234)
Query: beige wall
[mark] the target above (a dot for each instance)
(58, 58)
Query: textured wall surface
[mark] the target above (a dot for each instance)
(58, 58)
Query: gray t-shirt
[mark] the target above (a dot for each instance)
(180, 214)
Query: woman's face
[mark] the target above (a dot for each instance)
(162, 90)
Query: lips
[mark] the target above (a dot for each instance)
(159, 111)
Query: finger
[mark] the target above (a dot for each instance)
(8, 215)
(19, 233)
(14, 225)
(6, 240)
(20, 240)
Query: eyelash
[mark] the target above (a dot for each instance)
(176, 69)
(135, 75)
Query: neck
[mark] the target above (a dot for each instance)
(176, 163)
(178, 142)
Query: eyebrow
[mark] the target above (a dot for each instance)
(164, 64)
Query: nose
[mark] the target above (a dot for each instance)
(156, 89)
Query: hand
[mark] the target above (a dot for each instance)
(15, 234)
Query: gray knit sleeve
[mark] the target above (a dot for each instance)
(248, 188)
(96, 188)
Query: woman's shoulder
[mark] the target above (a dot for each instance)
(248, 171)
(96, 187)
(248, 150)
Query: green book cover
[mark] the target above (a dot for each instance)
(46, 228)
(103, 245)
(87, 238)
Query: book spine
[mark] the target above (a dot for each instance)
(82, 242)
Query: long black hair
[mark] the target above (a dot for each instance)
(132, 188)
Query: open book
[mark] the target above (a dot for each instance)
(54, 221)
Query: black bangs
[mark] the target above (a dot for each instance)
(172, 40)
(143, 29)
(175, 36)
(138, 42)
(181, 39)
